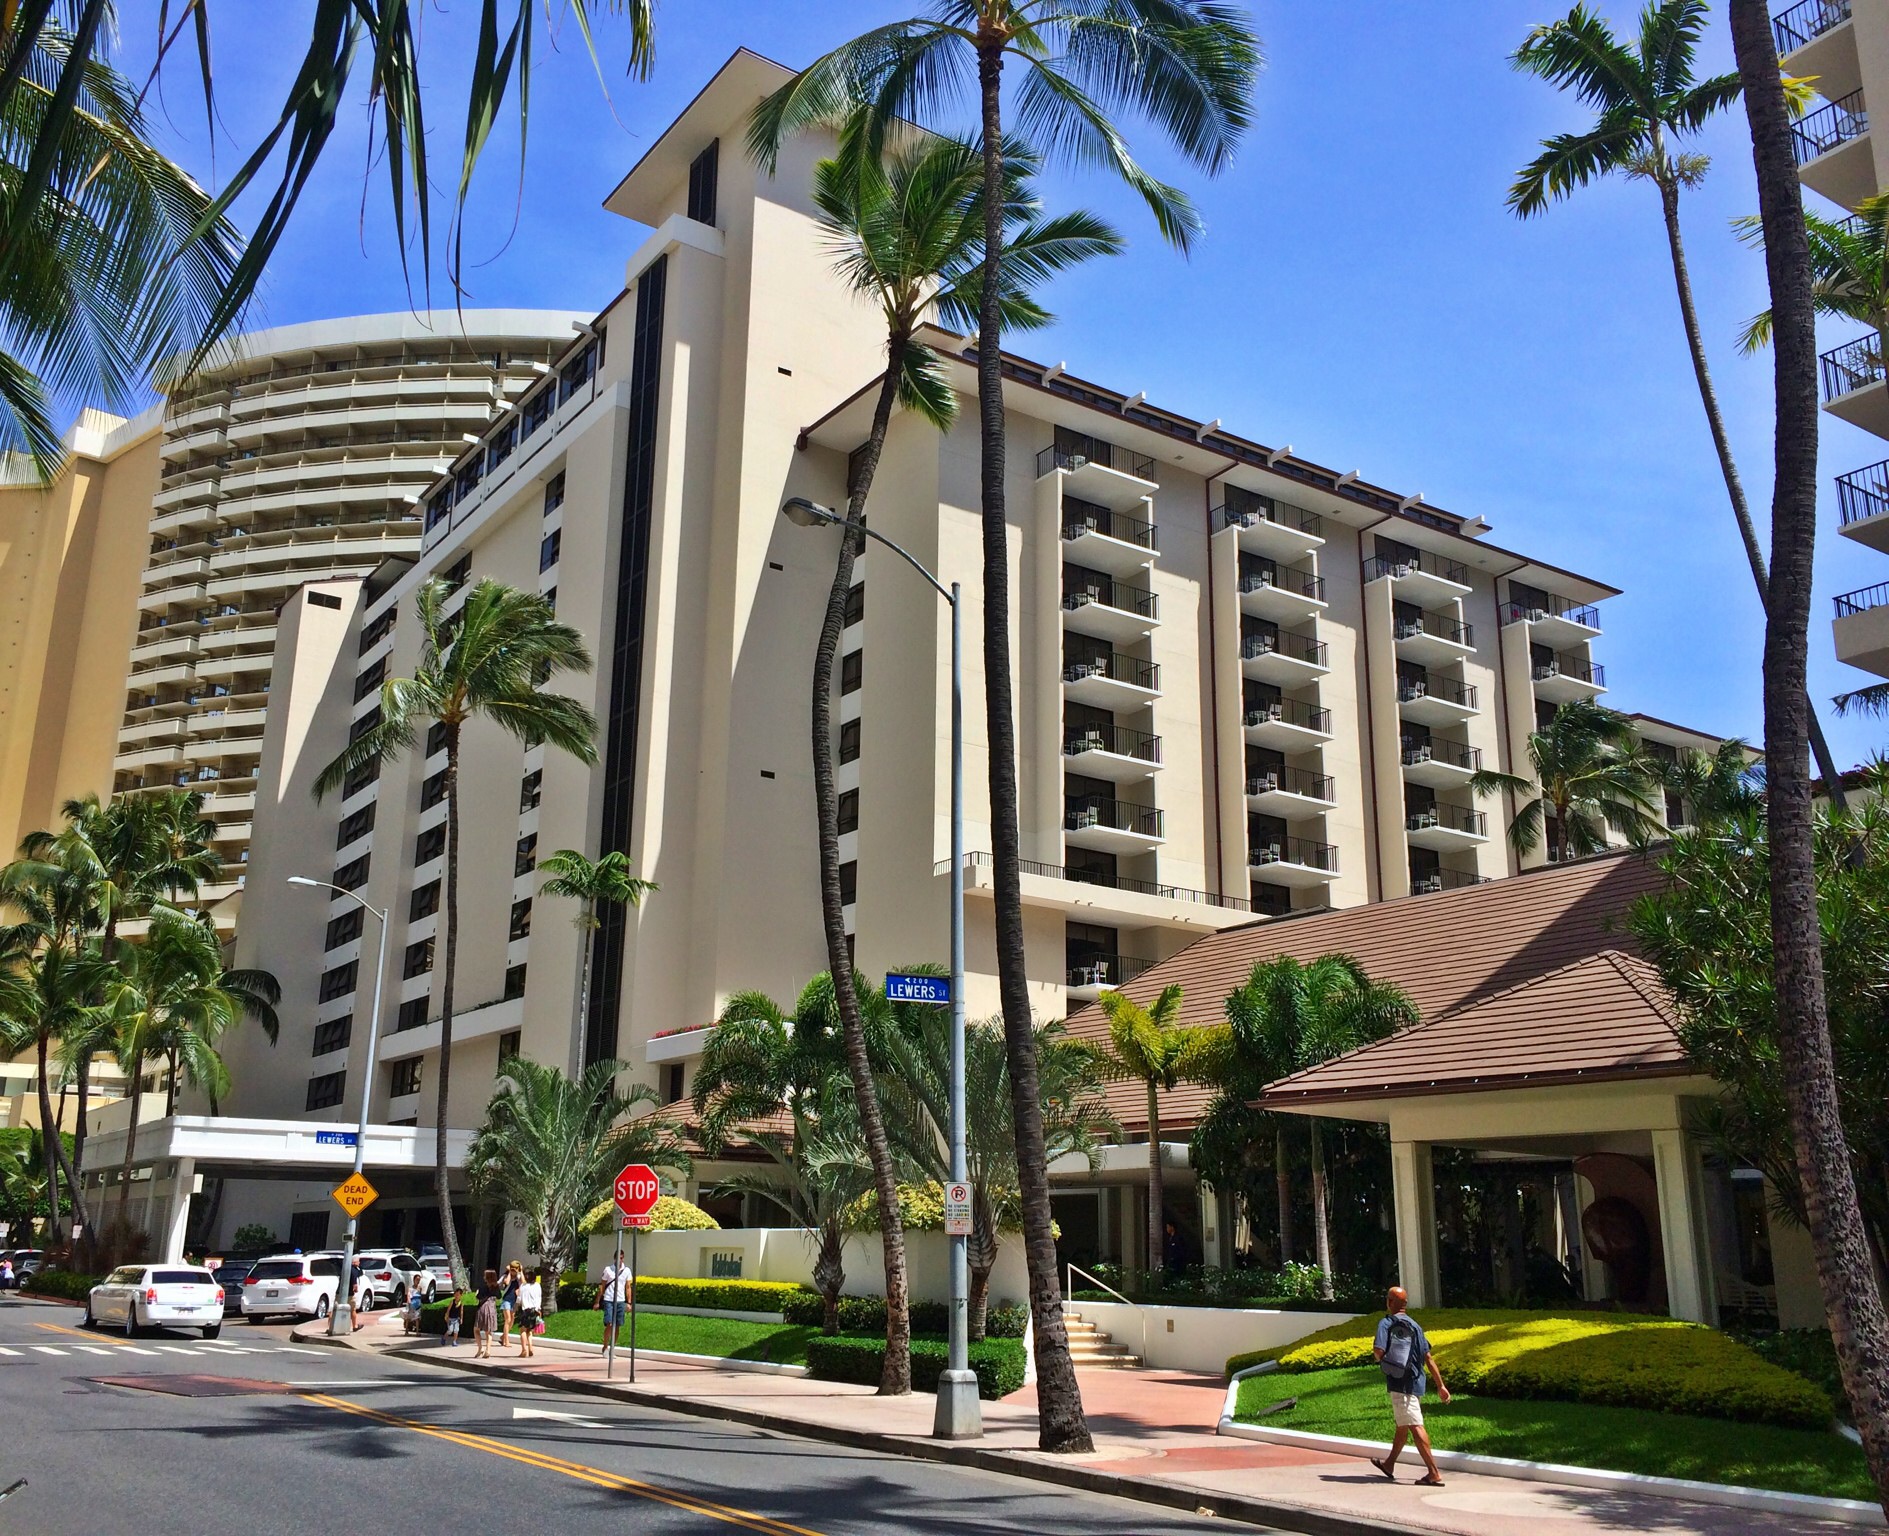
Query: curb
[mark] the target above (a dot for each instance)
(1288, 1517)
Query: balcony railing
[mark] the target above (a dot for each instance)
(1111, 525)
(1448, 689)
(1438, 624)
(1096, 877)
(1115, 594)
(1817, 133)
(1584, 614)
(1443, 880)
(1806, 21)
(1451, 818)
(1577, 667)
(1863, 493)
(1108, 455)
(1854, 365)
(1107, 970)
(1292, 781)
(1296, 647)
(1266, 510)
(1307, 717)
(1287, 578)
(1438, 749)
(1084, 811)
(1295, 850)
(1863, 599)
(1120, 740)
(1412, 563)
(1119, 668)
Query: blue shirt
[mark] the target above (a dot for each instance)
(1419, 1353)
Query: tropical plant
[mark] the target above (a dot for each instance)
(549, 1143)
(670, 1213)
(1588, 776)
(913, 1064)
(23, 1163)
(1849, 268)
(592, 884)
(1851, 1293)
(488, 661)
(759, 1060)
(1146, 1046)
(1713, 787)
(1186, 65)
(1647, 100)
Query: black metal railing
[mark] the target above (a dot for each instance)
(1437, 749)
(1817, 133)
(1807, 21)
(1295, 647)
(1442, 880)
(1110, 525)
(1121, 740)
(1584, 614)
(1107, 455)
(1292, 781)
(1863, 599)
(1117, 667)
(1286, 578)
(1304, 851)
(1308, 717)
(1569, 665)
(1448, 689)
(1115, 594)
(1413, 563)
(1439, 625)
(1854, 365)
(1265, 510)
(1863, 493)
(1106, 881)
(1107, 970)
(1081, 812)
(1449, 818)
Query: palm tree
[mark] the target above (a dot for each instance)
(1646, 100)
(1186, 65)
(1714, 787)
(1146, 1046)
(1851, 1294)
(759, 1060)
(488, 661)
(550, 1143)
(906, 234)
(592, 884)
(1589, 776)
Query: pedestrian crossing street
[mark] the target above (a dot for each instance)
(205, 1348)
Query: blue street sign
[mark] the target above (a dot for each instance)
(334, 1138)
(918, 989)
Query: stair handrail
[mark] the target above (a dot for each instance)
(1141, 1310)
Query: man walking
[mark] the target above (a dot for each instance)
(1403, 1354)
(613, 1295)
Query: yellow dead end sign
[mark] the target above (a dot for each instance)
(354, 1194)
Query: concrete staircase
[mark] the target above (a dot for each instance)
(1093, 1350)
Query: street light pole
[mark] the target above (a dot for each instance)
(344, 1292)
(959, 1415)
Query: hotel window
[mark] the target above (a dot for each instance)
(549, 548)
(551, 600)
(404, 1078)
(368, 773)
(855, 603)
(530, 788)
(370, 680)
(514, 982)
(352, 875)
(339, 982)
(538, 408)
(521, 919)
(412, 1014)
(554, 493)
(325, 1092)
(674, 1083)
(849, 883)
(508, 1044)
(456, 574)
(419, 959)
(433, 790)
(704, 174)
(849, 742)
(378, 631)
(525, 857)
(333, 1035)
(849, 811)
(429, 845)
(425, 901)
(343, 929)
(359, 824)
(436, 738)
(852, 671)
(363, 724)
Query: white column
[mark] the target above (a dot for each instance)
(177, 1215)
(1689, 1290)
(1413, 1190)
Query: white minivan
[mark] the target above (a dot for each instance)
(298, 1285)
(136, 1296)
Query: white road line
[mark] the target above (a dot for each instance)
(177, 1349)
(295, 1349)
(93, 1349)
(5, 1351)
(47, 1349)
(135, 1349)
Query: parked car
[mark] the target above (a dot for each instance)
(294, 1285)
(135, 1296)
(433, 1256)
(396, 1274)
(231, 1275)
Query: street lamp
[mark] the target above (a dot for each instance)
(344, 1293)
(959, 1415)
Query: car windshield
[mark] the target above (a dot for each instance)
(129, 1274)
(181, 1277)
(276, 1269)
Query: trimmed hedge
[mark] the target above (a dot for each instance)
(61, 1283)
(866, 1314)
(718, 1295)
(997, 1363)
(1587, 1357)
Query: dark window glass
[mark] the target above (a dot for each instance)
(325, 1092)
(521, 919)
(549, 548)
(338, 982)
(673, 1081)
(364, 723)
(852, 671)
(455, 574)
(352, 875)
(855, 602)
(525, 858)
(529, 790)
(554, 493)
(412, 1014)
(333, 1035)
(343, 929)
(508, 1044)
(704, 173)
(849, 742)
(514, 982)
(404, 1078)
(575, 374)
(370, 680)
(849, 883)
(324, 600)
(849, 811)
(359, 824)
(368, 773)
(419, 959)
(378, 631)
(433, 790)
(436, 738)
(425, 901)
(429, 845)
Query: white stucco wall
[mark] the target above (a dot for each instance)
(1201, 1338)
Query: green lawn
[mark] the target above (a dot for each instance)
(1351, 1402)
(725, 1338)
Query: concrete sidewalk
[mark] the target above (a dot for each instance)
(1154, 1438)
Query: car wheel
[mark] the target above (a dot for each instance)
(90, 1320)
(321, 1306)
(131, 1321)
(400, 1295)
(211, 1330)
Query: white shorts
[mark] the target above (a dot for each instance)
(1406, 1410)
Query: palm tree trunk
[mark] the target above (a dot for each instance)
(895, 1378)
(1321, 1213)
(1157, 1255)
(1060, 1422)
(1721, 441)
(131, 1147)
(442, 1187)
(583, 983)
(1852, 1301)
(1282, 1182)
(49, 1137)
(109, 948)
(981, 1252)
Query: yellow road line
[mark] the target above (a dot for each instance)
(572, 1469)
(83, 1333)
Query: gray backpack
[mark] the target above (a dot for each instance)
(1399, 1347)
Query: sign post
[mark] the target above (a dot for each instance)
(636, 1193)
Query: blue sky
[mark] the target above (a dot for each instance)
(1362, 293)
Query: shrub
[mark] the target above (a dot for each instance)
(866, 1314)
(577, 1294)
(921, 1209)
(62, 1283)
(254, 1235)
(1006, 1320)
(670, 1213)
(807, 1309)
(997, 1363)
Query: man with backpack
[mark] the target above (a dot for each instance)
(1403, 1354)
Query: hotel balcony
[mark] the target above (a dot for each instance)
(1863, 504)
(1441, 763)
(1433, 639)
(1568, 677)
(1294, 861)
(1091, 896)
(1288, 725)
(1447, 828)
(1557, 622)
(1104, 473)
(1290, 792)
(1113, 681)
(1862, 628)
(1287, 660)
(1853, 384)
(1436, 701)
(1443, 880)
(1275, 529)
(1112, 611)
(1420, 578)
(1831, 146)
(1285, 595)
(1111, 752)
(1111, 826)
(1097, 974)
(1105, 540)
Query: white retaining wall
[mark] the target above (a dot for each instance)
(1201, 1338)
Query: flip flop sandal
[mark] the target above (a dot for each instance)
(1429, 1482)
(1385, 1468)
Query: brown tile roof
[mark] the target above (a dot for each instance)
(1446, 950)
(1600, 1019)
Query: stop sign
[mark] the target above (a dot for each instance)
(636, 1190)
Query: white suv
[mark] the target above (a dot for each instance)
(299, 1285)
(396, 1274)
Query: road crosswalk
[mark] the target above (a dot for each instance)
(206, 1349)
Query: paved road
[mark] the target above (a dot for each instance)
(324, 1440)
